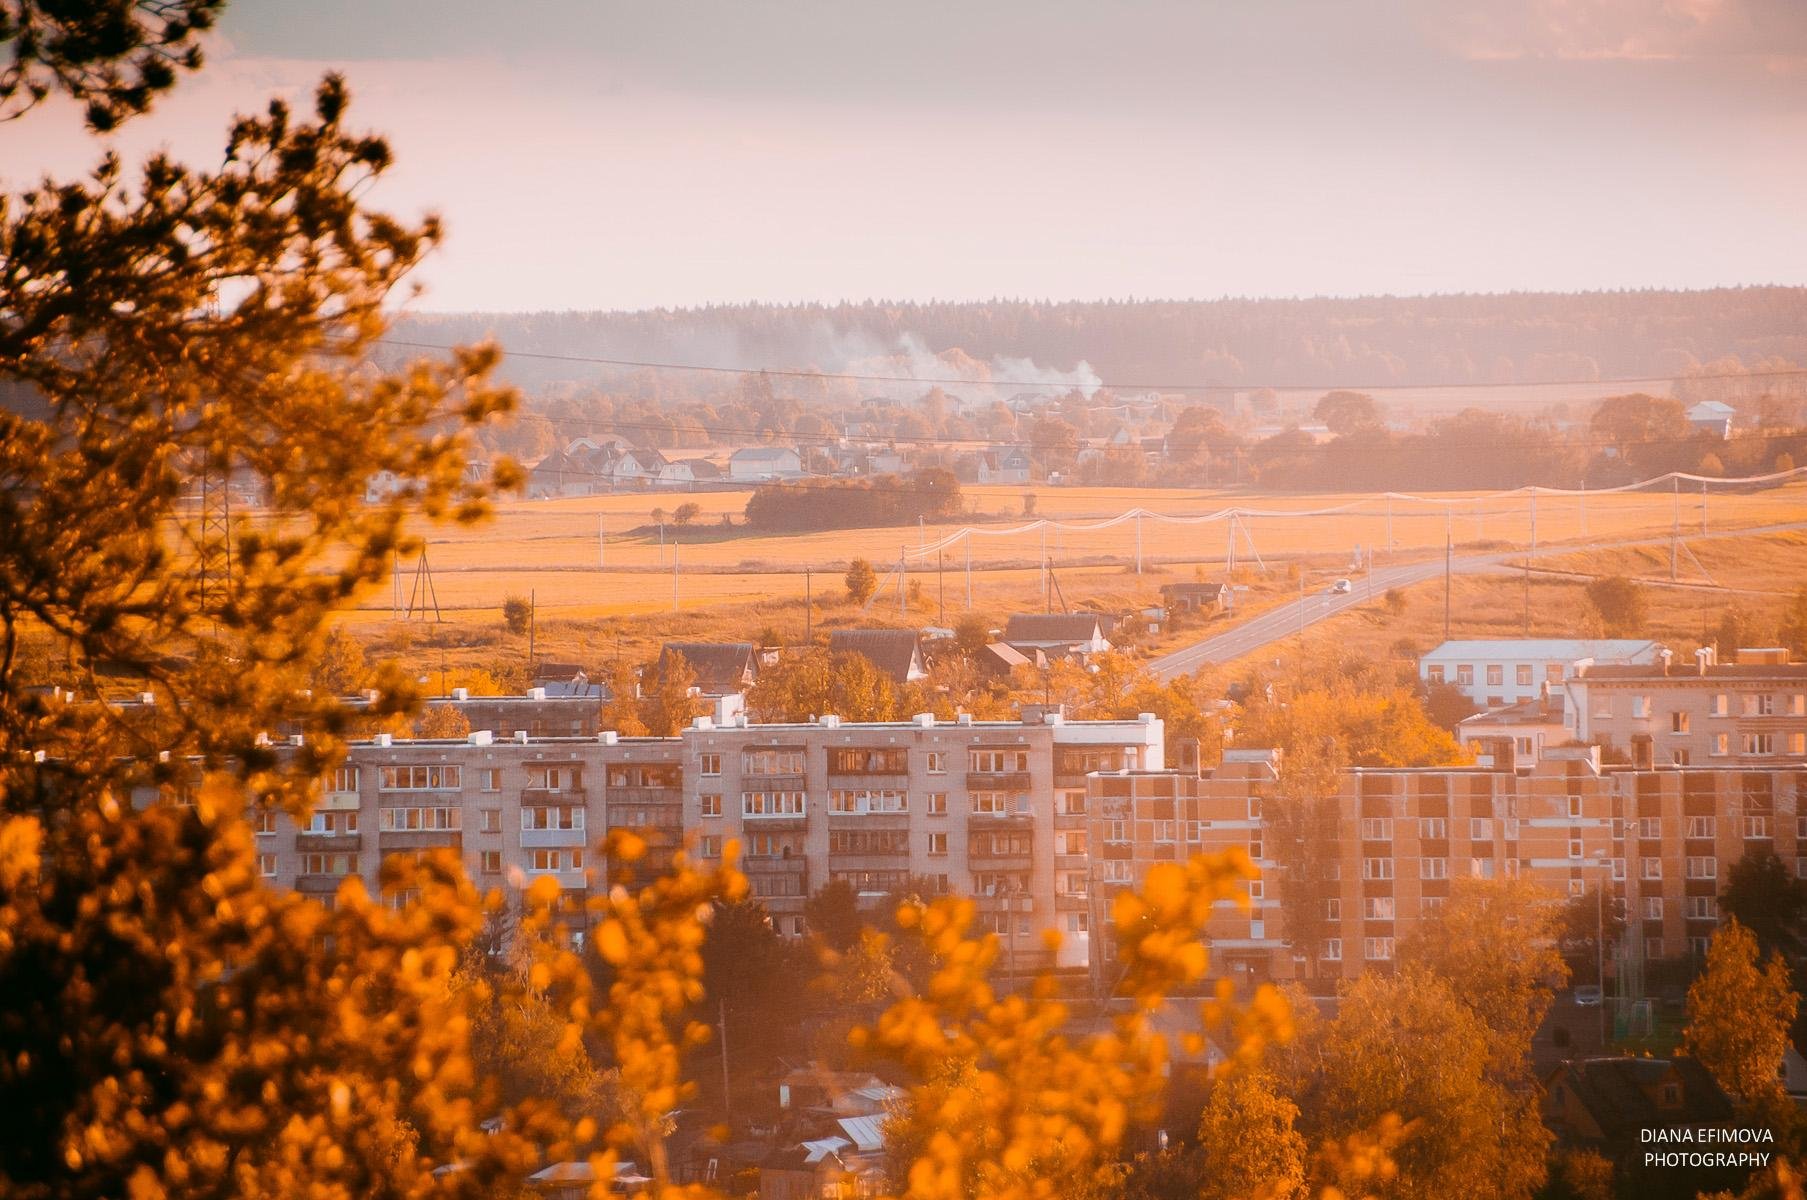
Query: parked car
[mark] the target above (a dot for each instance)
(1341, 587)
(1588, 995)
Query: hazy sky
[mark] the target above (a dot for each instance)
(591, 154)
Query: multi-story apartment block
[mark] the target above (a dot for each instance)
(1751, 712)
(1659, 841)
(995, 810)
(1512, 670)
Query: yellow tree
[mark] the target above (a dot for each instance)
(1739, 1013)
(1250, 1146)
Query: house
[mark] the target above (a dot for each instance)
(702, 470)
(1515, 735)
(847, 1163)
(896, 652)
(1000, 659)
(561, 473)
(675, 474)
(1503, 671)
(1004, 464)
(1058, 633)
(1713, 417)
(1195, 597)
(758, 464)
(721, 668)
(886, 461)
(573, 1180)
(1608, 1104)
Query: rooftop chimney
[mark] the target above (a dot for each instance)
(1706, 657)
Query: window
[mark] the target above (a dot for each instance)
(266, 865)
(554, 779)
(1163, 831)
(1115, 870)
(490, 779)
(1703, 867)
(937, 762)
(937, 843)
(1574, 847)
(1722, 743)
(1721, 704)
(491, 820)
(1480, 868)
(1435, 828)
(1577, 887)
(993, 804)
(1759, 743)
(1255, 849)
(1618, 869)
(265, 822)
(1653, 949)
(1700, 827)
(851, 801)
(1797, 743)
(1640, 707)
(711, 803)
(420, 779)
(1116, 831)
(778, 761)
(1076, 922)
(1480, 829)
(404, 820)
(1257, 889)
(1653, 908)
(1679, 758)
(1333, 949)
(772, 804)
(1195, 831)
(1377, 868)
(1650, 829)
(936, 804)
(1333, 909)
(1650, 868)
(709, 846)
(1756, 825)
(997, 762)
(1797, 704)
(1464, 675)
(1574, 807)
(551, 816)
(1433, 868)
(544, 861)
(1496, 674)
(1377, 949)
(1377, 829)
(1378, 908)
(1434, 673)
(1679, 721)
(1703, 908)
(1759, 704)
(1072, 804)
(1523, 675)
(329, 864)
(868, 760)
(710, 765)
(490, 862)
(345, 779)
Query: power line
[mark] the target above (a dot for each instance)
(1069, 385)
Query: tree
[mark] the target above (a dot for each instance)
(1739, 1013)
(861, 581)
(517, 614)
(752, 974)
(1345, 413)
(1619, 603)
(972, 633)
(833, 914)
(1494, 942)
(441, 721)
(1053, 442)
(803, 686)
(341, 668)
(1792, 631)
(1249, 1145)
(687, 512)
(115, 56)
(1766, 898)
(166, 328)
(1406, 1045)
(673, 701)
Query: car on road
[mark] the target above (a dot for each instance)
(1588, 995)
(1341, 587)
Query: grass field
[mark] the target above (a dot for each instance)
(553, 548)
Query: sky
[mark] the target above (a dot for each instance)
(600, 154)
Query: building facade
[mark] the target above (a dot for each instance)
(1512, 670)
(1750, 712)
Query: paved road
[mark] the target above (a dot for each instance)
(1285, 620)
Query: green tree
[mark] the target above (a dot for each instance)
(341, 668)
(517, 614)
(673, 701)
(1249, 1144)
(833, 914)
(441, 721)
(1344, 413)
(861, 581)
(1739, 1013)
(1765, 897)
(972, 633)
(1619, 603)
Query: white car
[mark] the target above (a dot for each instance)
(1588, 995)
(1341, 587)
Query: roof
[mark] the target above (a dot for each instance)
(763, 453)
(1192, 587)
(1053, 627)
(1540, 711)
(866, 1133)
(1613, 1090)
(1010, 656)
(1601, 650)
(1714, 410)
(701, 468)
(896, 652)
(1682, 672)
(720, 667)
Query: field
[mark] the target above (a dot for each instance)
(606, 556)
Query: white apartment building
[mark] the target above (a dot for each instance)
(1502, 671)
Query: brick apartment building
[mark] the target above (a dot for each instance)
(1749, 712)
(1661, 840)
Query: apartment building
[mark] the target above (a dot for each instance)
(1749, 712)
(1501, 671)
(1660, 840)
(995, 810)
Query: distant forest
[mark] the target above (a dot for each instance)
(1369, 342)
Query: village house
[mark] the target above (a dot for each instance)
(896, 652)
(762, 464)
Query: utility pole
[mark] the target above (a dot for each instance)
(533, 615)
(674, 577)
(1047, 599)
(1703, 508)
(602, 554)
(902, 571)
(1675, 529)
(1139, 541)
(940, 591)
(969, 571)
(809, 611)
(1449, 555)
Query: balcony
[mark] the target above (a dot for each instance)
(420, 839)
(327, 843)
(319, 885)
(999, 862)
(533, 839)
(564, 795)
(637, 795)
(982, 821)
(998, 781)
(568, 881)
